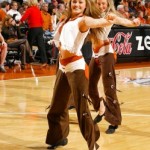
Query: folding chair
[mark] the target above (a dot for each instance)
(13, 54)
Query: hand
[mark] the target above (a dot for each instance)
(51, 42)
(112, 18)
(136, 22)
(3, 43)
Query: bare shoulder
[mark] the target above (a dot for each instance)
(83, 24)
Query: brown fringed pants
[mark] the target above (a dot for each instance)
(58, 117)
(104, 66)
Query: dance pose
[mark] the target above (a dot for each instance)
(102, 64)
(70, 78)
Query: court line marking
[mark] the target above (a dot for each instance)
(131, 68)
(28, 78)
(55, 75)
(42, 113)
(70, 113)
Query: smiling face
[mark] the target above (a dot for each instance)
(78, 7)
(102, 5)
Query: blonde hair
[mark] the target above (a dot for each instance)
(90, 10)
(32, 2)
(110, 9)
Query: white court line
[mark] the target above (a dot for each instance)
(130, 68)
(28, 78)
(55, 75)
(71, 113)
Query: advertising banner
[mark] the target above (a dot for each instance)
(131, 42)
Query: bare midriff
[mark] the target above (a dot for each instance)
(97, 45)
(65, 54)
(66, 57)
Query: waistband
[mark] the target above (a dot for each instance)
(96, 50)
(66, 61)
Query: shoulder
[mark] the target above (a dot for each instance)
(82, 23)
(83, 20)
(86, 18)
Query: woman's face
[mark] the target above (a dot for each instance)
(78, 7)
(102, 5)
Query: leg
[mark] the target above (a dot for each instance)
(31, 37)
(58, 118)
(113, 112)
(28, 48)
(29, 55)
(71, 102)
(23, 55)
(20, 45)
(79, 88)
(94, 77)
(41, 46)
(3, 53)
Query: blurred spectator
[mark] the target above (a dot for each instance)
(125, 2)
(60, 10)
(55, 3)
(147, 12)
(121, 10)
(126, 14)
(53, 7)
(9, 33)
(3, 10)
(140, 15)
(40, 2)
(140, 7)
(23, 8)
(132, 9)
(39, 6)
(47, 20)
(35, 32)
(25, 5)
(14, 11)
(52, 10)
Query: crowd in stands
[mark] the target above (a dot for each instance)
(51, 12)
(135, 8)
(40, 21)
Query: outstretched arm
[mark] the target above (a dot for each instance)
(114, 19)
(89, 22)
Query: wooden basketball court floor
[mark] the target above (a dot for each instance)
(24, 96)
